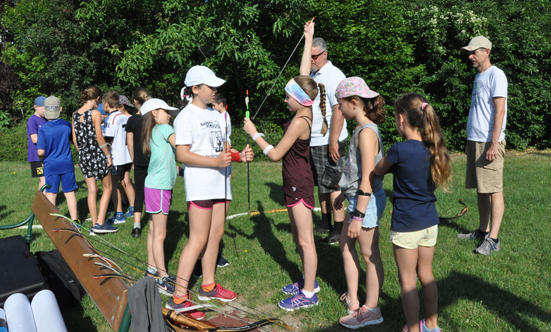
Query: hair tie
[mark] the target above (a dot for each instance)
(183, 95)
(424, 105)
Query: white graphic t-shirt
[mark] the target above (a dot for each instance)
(201, 130)
(487, 85)
(115, 125)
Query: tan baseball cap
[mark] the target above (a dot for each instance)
(478, 42)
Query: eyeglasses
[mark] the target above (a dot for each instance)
(316, 56)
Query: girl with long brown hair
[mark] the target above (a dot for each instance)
(420, 165)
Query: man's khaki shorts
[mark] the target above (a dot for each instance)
(483, 175)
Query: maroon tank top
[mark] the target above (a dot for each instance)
(298, 181)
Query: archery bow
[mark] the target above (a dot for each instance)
(247, 114)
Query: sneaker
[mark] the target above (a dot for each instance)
(130, 212)
(153, 275)
(321, 230)
(77, 225)
(362, 317)
(165, 285)
(218, 293)
(117, 218)
(294, 288)
(136, 232)
(488, 246)
(405, 329)
(105, 228)
(350, 306)
(222, 262)
(474, 235)
(198, 269)
(186, 308)
(332, 238)
(424, 328)
(298, 301)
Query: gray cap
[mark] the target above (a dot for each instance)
(478, 42)
(52, 107)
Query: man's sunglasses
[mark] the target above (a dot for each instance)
(316, 56)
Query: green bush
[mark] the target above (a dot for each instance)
(14, 143)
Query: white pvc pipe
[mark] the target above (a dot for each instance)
(19, 314)
(47, 316)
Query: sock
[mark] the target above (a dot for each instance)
(495, 240)
(338, 226)
(119, 215)
(152, 270)
(131, 209)
(325, 220)
(76, 221)
(178, 299)
(481, 232)
(137, 225)
(308, 294)
(372, 310)
(208, 288)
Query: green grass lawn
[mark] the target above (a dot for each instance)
(509, 291)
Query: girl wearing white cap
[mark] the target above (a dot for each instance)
(201, 146)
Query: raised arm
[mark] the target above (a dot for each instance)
(306, 63)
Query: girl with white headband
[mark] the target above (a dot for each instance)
(298, 182)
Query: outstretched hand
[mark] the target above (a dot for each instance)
(247, 154)
(249, 127)
(309, 29)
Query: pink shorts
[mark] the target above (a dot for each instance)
(309, 201)
(157, 200)
(206, 204)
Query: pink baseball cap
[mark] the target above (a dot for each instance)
(354, 86)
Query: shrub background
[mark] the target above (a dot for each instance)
(59, 47)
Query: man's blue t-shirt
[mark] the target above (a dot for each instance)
(413, 205)
(55, 138)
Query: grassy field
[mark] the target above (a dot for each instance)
(509, 291)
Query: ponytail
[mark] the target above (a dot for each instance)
(374, 108)
(186, 95)
(148, 123)
(421, 115)
(323, 107)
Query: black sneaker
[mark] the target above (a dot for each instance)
(136, 232)
(222, 262)
(198, 269)
(332, 238)
(321, 230)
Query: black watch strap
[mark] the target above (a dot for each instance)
(362, 193)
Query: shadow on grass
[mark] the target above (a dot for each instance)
(4, 213)
(276, 193)
(516, 311)
(262, 230)
(75, 320)
(175, 230)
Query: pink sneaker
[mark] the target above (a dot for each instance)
(350, 306)
(218, 293)
(362, 317)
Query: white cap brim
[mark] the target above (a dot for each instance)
(156, 103)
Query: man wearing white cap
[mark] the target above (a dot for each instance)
(485, 146)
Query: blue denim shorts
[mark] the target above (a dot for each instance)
(374, 211)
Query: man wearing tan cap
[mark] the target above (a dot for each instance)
(485, 146)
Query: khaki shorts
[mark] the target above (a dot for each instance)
(411, 240)
(483, 175)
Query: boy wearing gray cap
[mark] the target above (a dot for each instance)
(54, 149)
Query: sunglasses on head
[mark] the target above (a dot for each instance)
(316, 56)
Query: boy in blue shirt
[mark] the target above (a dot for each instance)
(54, 149)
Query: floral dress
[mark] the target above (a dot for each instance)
(91, 159)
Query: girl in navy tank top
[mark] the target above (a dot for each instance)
(298, 182)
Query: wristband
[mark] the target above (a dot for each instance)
(357, 213)
(267, 149)
(360, 219)
(235, 156)
(107, 156)
(362, 193)
(104, 145)
(257, 135)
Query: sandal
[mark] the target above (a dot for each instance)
(350, 306)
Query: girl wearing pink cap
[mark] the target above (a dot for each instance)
(298, 182)
(366, 198)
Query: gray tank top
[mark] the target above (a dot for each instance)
(352, 174)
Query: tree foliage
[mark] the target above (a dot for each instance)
(61, 46)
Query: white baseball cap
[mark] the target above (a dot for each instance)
(478, 42)
(202, 75)
(156, 103)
